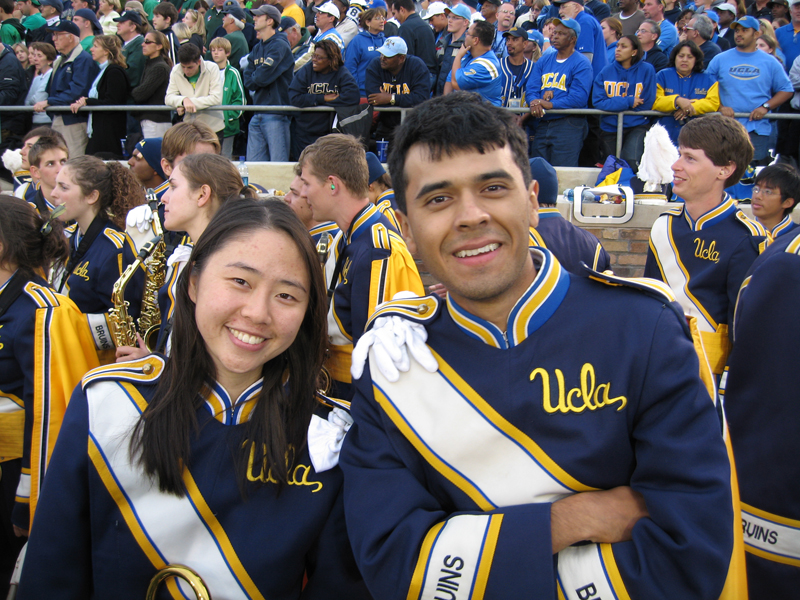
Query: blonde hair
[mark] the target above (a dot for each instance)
(199, 26)
(220, 43)
(112, 45)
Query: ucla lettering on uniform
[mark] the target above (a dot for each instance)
(700, 250)
(297, 475)
(616, 88)
(82, 271)
(587, 591)
(552, 80)
(754, 531)
(587, 394)
(346, 269)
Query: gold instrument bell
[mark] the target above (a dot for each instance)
(181, 572)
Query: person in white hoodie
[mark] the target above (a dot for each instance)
(194, 85)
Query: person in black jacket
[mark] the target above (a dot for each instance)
(324, 81)
(395, 79)
(417, 34)
(13, 89)
(153, 86)
(106, 129)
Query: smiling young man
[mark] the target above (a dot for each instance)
(704, 248)
(775, 194)
(542, 426)
(368, 262)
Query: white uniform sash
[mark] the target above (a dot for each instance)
(675, 273)
(169, 529)
(495, 464)
(770, 536)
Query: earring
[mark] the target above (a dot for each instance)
(333, 187)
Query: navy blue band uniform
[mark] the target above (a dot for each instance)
(331, 228)
(259, 548)
(45, 349)
(786, 225)
(760, 389)
(376, 265)
(91, 280)
(450, 475)
(704, 262)
(570, 244)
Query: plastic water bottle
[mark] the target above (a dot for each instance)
(243, 171)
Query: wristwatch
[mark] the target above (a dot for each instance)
(392, 100)
(766, 105)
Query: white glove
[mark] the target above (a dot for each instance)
(12, 160)
(391, 339)
(140, 217)
(325, 438)
(181, 254)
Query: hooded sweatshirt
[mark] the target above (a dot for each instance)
(615, 89)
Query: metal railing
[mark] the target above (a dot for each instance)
(402, 111)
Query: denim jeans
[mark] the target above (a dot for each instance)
(559, 141)
(632, 145)
(268, 138)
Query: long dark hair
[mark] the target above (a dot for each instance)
(24, 245)
(277, 429)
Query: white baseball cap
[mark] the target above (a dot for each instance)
(330, 8)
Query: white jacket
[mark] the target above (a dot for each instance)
(207, 92)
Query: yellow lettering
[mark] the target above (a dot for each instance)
(710, 253)
(593, 398)
(82, 271)
(296, 476)
(347, 264)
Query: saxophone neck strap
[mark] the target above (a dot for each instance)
(12, 291)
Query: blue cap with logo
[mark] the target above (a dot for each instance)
(459, 10)
(747, 22)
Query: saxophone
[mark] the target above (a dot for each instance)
(156, 272)
(123, 330)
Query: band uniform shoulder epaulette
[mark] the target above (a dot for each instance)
(419, 310)
(43, 296)
(117, 237)
(652, 287)
(752, 225)
(147, 369)
(675, 211)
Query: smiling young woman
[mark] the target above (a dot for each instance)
(212, 458)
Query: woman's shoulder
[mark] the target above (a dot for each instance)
(143, 372)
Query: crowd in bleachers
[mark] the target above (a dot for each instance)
(354, 56)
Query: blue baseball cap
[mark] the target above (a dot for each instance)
(459, 10)
(713, 16)
(569, 24)
(375, 167)
(747, 22)
(536, 36)
(151, 152)
(545, 174)
(88, 14)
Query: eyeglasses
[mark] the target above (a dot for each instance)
(640, 30)
(765, 191)
(148, 42)
(687, 28)
(505, 12)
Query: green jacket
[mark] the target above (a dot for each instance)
(135, 60)
(34, 22)
(232, 93)
(12, 32)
